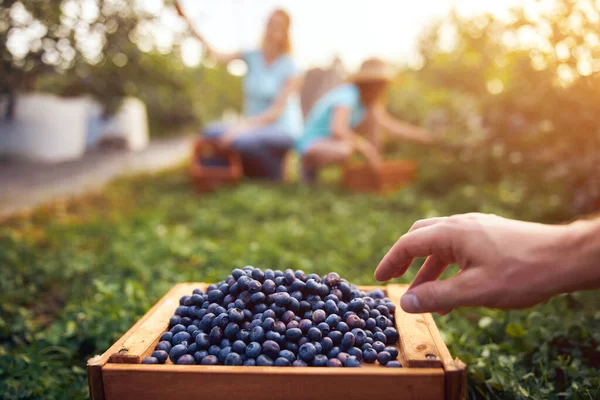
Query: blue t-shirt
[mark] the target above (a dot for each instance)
(318, 122)
(263, 84)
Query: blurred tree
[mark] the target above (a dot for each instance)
(107, 48)
(534, 82)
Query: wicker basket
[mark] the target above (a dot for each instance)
(208, 178)
(393, 174)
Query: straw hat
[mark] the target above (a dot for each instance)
(373, 70)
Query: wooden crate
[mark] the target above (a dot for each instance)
(209, 178)
(393, 174)
(429, 370)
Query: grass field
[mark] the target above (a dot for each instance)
(75, 276)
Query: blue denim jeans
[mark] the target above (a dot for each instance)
(265, 146)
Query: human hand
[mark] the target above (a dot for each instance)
(504, 263)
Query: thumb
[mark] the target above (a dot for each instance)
(461, 290)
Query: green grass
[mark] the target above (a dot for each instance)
(76, 276)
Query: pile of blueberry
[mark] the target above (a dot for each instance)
(275, 318)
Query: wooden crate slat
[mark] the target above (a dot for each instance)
(141, 343)
(418, 347)
(259, 383)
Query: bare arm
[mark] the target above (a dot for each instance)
(221, 58)
(400, 129)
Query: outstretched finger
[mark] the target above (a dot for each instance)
(420, 243)
(433, 267)
(423, 223)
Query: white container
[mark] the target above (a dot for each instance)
(130, 124)
(45, 128)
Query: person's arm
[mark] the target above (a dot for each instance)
(341, 129)
(504, 263)
(221, 58)
(400, 129)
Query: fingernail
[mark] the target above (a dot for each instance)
(410, 303)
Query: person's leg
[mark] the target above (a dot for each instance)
(264, 146)
(322, 153)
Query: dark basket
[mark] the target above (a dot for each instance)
(208, 178)
(393, 174)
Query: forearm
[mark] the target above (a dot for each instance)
(579, 266)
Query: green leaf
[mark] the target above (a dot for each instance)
(515, 330)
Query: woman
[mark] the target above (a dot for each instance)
(330, 133)
(273, 117)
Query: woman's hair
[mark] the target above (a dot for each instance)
(372, 92)
(286, 47)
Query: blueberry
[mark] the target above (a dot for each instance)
(380, 337)
(318, 347)
(167, 336)
(270, 348)
(268, 314)
(183, 311)
(331, 307)
(260, 308)
(333, 353)
(274, 336)
(319, 305)
(232, 330)
(175, 319)
(199, 355)
(150, 360)
(305, 325)
(324, 328)
(360, 337)
(304, 306)
(293, 347)
(238, 273)
(235, 315)
(312, 286)
(332, 279)
(206, 322)
(345, 289)
(251, 362)
(366, 346)
(288, 355)
(370, 324)
(337, 293)
(268, 287)
(214, 350)
(257, 334)
(297, 295)
(391, 334)
(247, 314)
(307, 352)
(293, 334)
(342, 327)
(282, 299)
(279, 281)
(278, 310)
(292, 324)
(352, 362)
(164, 345)
(394, 364)
(178, 328)
(299, 363)
(282, 362)
(384, 357)
(197, 291)
(314, 334)
(279, 327)
(210, 360)
(243, 282)
(257, 298)
(192, 348)
(216, 335)
(253, 350)
(269, 274)
(264, 361)
(268, 324)
(319, 316)
(332, 320)
(354, 321)
(343, 356)
(335, 336)
(258, 275)
(393, 352)
(298, 286)
(234, 290)
(334, 362)
(257, 322)
(326, 344)
(160, 355)
(287, 316)
(228, 301)
(243, 335)
(343, 307)
(176, 352)
(288, 277)
(216, 296)
(356, 352)
(225, 351)
(233, 359)
(370, 355)
(356, 304)
(254, 286)
(181, 337)
(320, 361)
(238, 347)
(348, 340)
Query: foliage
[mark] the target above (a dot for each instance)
(517, 94)
(95, 48)
(76, 276)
